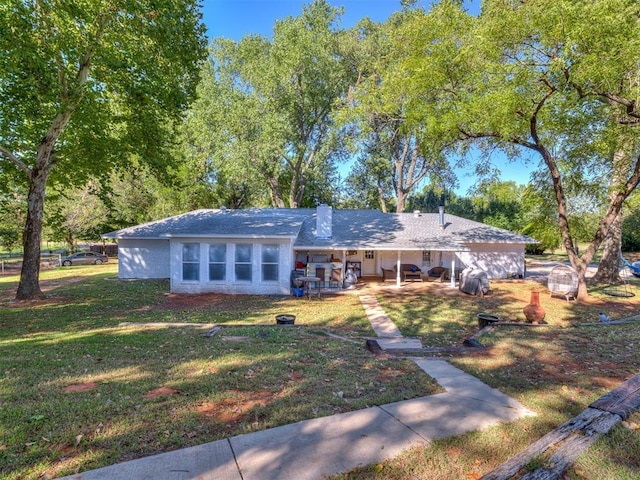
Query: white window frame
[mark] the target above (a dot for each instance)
(222, 262)
(237, 263)
(191, 261)
(265, 263)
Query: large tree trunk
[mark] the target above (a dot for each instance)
(402, 200)
(274, 192)
(609, 265)
(383, 203)
(29, 286)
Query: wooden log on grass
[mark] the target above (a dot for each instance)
(572, 438)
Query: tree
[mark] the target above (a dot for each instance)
(77, 214)
(12, 215)
(631, 225)
(83, 85)
(397, 131)
(559, 78)
(266, 107)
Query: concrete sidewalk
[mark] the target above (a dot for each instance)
(313, 449)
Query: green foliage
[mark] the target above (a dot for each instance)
(122, 74)
(12, 214)
(86, 85)
(265, 111)
(397, 130)
(76, 214)
(631, 225)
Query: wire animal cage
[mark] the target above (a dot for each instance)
(563, 281)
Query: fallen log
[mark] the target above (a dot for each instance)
(572, 438)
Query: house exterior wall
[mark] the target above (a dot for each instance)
(496, 259)
(230, 284)
(389, 259)
(143, 258)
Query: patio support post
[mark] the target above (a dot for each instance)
(399, 261)
(452, 274)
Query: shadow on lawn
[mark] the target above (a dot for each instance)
(243, 379)
(253, 378)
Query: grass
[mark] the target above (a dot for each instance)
(555, 370)
(80, 391)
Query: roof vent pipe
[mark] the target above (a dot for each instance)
(416, 213)
(441, 216)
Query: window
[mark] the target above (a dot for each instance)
(243, 262)
(191, 261)
(270, 256)
(369, 255)
(426, 257)
(217, 262)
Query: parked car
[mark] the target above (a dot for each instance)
(84, 258)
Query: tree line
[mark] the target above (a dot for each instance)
(111, 115)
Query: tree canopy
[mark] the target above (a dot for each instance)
(266, 106)
(558, 78)
(85, 85)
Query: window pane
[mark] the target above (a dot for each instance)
(191, 252)
(191, 271)
(243, 272)
(218, 253)
(270, 254)
(243, 253)
(217, 271)
(270, 272)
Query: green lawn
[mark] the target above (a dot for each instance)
(79, 390)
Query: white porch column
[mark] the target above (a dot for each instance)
(398, 262)
(344, 265)
(452, 275)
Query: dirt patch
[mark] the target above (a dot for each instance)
(237, 408)
(179, 301)
(161, 392)
(80, 387)
(45, 285)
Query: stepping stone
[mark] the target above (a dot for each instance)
(400, 343)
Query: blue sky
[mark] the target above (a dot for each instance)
(235, 19)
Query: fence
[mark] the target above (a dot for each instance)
(11, 265)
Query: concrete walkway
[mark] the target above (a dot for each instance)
(389, 337)
(313, 449)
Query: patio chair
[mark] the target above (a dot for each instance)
(437, 274)
(388, 275)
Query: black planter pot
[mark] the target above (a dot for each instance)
(285, 319)
(484, 319)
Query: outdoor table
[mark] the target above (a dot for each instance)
(306, 281)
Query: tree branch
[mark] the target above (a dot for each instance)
(15, 160)
(632, 110)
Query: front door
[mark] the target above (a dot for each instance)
(369, 263)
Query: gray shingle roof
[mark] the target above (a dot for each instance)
(364, 229)
(351, 229)
(221, 223)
